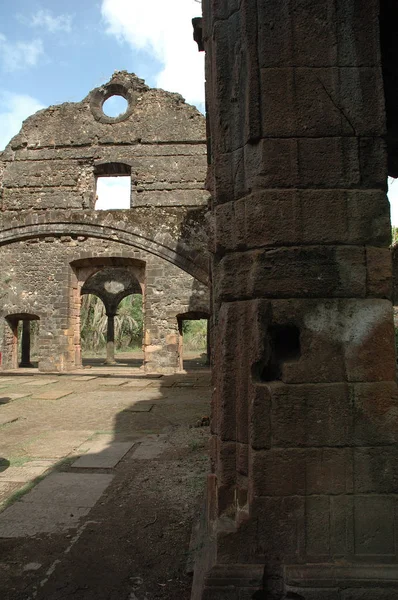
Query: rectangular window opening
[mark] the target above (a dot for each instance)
(113, 193)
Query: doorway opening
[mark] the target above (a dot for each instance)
(194, 340)
(22, 341)
(113, 338)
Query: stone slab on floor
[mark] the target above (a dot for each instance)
(84, 378)
(6, 419)
(24, 520)
(6, 397)
(39, 382)
(102, 453)
(139, 407)
(152, 446)
(55, 504)
(141, 383)
(112, 382)
(52, 395)
(57, 444)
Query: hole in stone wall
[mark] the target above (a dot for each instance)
(113, 193)
(283, 346)
(115, 106)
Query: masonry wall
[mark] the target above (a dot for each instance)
(48, 178)
(51, 163)
(39, 276)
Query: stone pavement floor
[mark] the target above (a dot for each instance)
(101, 476)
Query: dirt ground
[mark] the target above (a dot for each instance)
(115, 523)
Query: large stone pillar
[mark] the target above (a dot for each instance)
(303, 494)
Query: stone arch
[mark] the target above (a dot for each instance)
(188, 260)
(86, 269)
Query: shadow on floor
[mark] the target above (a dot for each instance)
(104, 533)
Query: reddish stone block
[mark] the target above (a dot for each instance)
(329, 471)
(311, 415)
(376, 413)
(373, 162)
(260, 417)
(279, 472)
(376, 470)
(280, 526)
(379, 269)
(268, 161)
(374, 523)
(369, 341)
(277, 46)
(317, 527)
(328, 162)
(315, 271)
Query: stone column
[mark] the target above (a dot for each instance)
(25, 343)
(303, 492)
(110, 340)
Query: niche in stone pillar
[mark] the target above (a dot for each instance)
(282, 345)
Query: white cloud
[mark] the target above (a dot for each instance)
(113, 192)
(164, 30)
(53, 24)
(18, 55)
(14, 108)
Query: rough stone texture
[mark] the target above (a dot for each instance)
(302, 497)
(54, 246)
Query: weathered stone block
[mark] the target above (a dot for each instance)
(374, 526)
(376, 413)
(308, 102)
(373, 593)
(379, 269)
(376, 470)
(279, 527)
(311, 272)
(311, 415)
(329, 471)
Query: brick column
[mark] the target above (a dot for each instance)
(305, 415)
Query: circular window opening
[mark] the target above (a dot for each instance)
(115, 106)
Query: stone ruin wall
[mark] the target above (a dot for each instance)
(48, 221)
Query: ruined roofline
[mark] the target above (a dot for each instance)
(122, 83)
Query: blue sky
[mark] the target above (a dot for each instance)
(53, 51)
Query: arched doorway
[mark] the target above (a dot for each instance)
(111, 310)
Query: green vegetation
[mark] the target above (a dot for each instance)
(195, 334)
(128, 323)
(394, 235)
